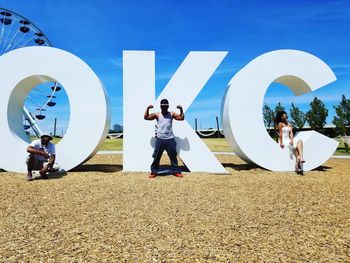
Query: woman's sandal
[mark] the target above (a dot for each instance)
(298, 168)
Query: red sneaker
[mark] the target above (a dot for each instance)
(178, 175)
(152, 175)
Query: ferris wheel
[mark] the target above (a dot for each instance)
(16, 32)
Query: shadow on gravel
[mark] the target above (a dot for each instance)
(105, 168)
(242, 167)
(323, 168)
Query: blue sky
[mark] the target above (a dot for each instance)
(98, 32)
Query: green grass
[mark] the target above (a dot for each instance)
(217, 144)
(108, 144)
(221, 145)
(56, 140)
(341, 151)
(112, 145)
(214, 144)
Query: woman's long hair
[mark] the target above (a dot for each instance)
(278, 119)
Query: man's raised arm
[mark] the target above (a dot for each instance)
(181, 116)
(148, 116)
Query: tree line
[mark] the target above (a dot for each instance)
(316, 116)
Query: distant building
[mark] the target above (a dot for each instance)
(117, 128)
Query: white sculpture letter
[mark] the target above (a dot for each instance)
(23, 69)
(242, 109)
(184, 86)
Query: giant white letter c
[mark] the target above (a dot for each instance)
(242, 108)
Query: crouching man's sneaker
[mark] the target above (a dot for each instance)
(29, 177)
(152, 175)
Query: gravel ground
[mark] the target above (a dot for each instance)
(96, 213)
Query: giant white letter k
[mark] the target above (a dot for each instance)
(182, 89)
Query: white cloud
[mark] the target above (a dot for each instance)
(117, 62)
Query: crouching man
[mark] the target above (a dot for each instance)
(42, 155)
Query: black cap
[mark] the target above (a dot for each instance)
(164, 102)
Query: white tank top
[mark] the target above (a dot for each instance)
(165, 126)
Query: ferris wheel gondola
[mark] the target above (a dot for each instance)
(16, 32)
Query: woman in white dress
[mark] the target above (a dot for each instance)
(286, 139)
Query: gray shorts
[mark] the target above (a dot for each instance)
(37, 164)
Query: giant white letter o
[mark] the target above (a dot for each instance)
(243, 123)
(23, 69)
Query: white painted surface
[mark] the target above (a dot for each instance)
(24, 68)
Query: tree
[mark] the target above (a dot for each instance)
(342, 120)
(279, 107)
(268, 116)
(317, 115)
(298, 117)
